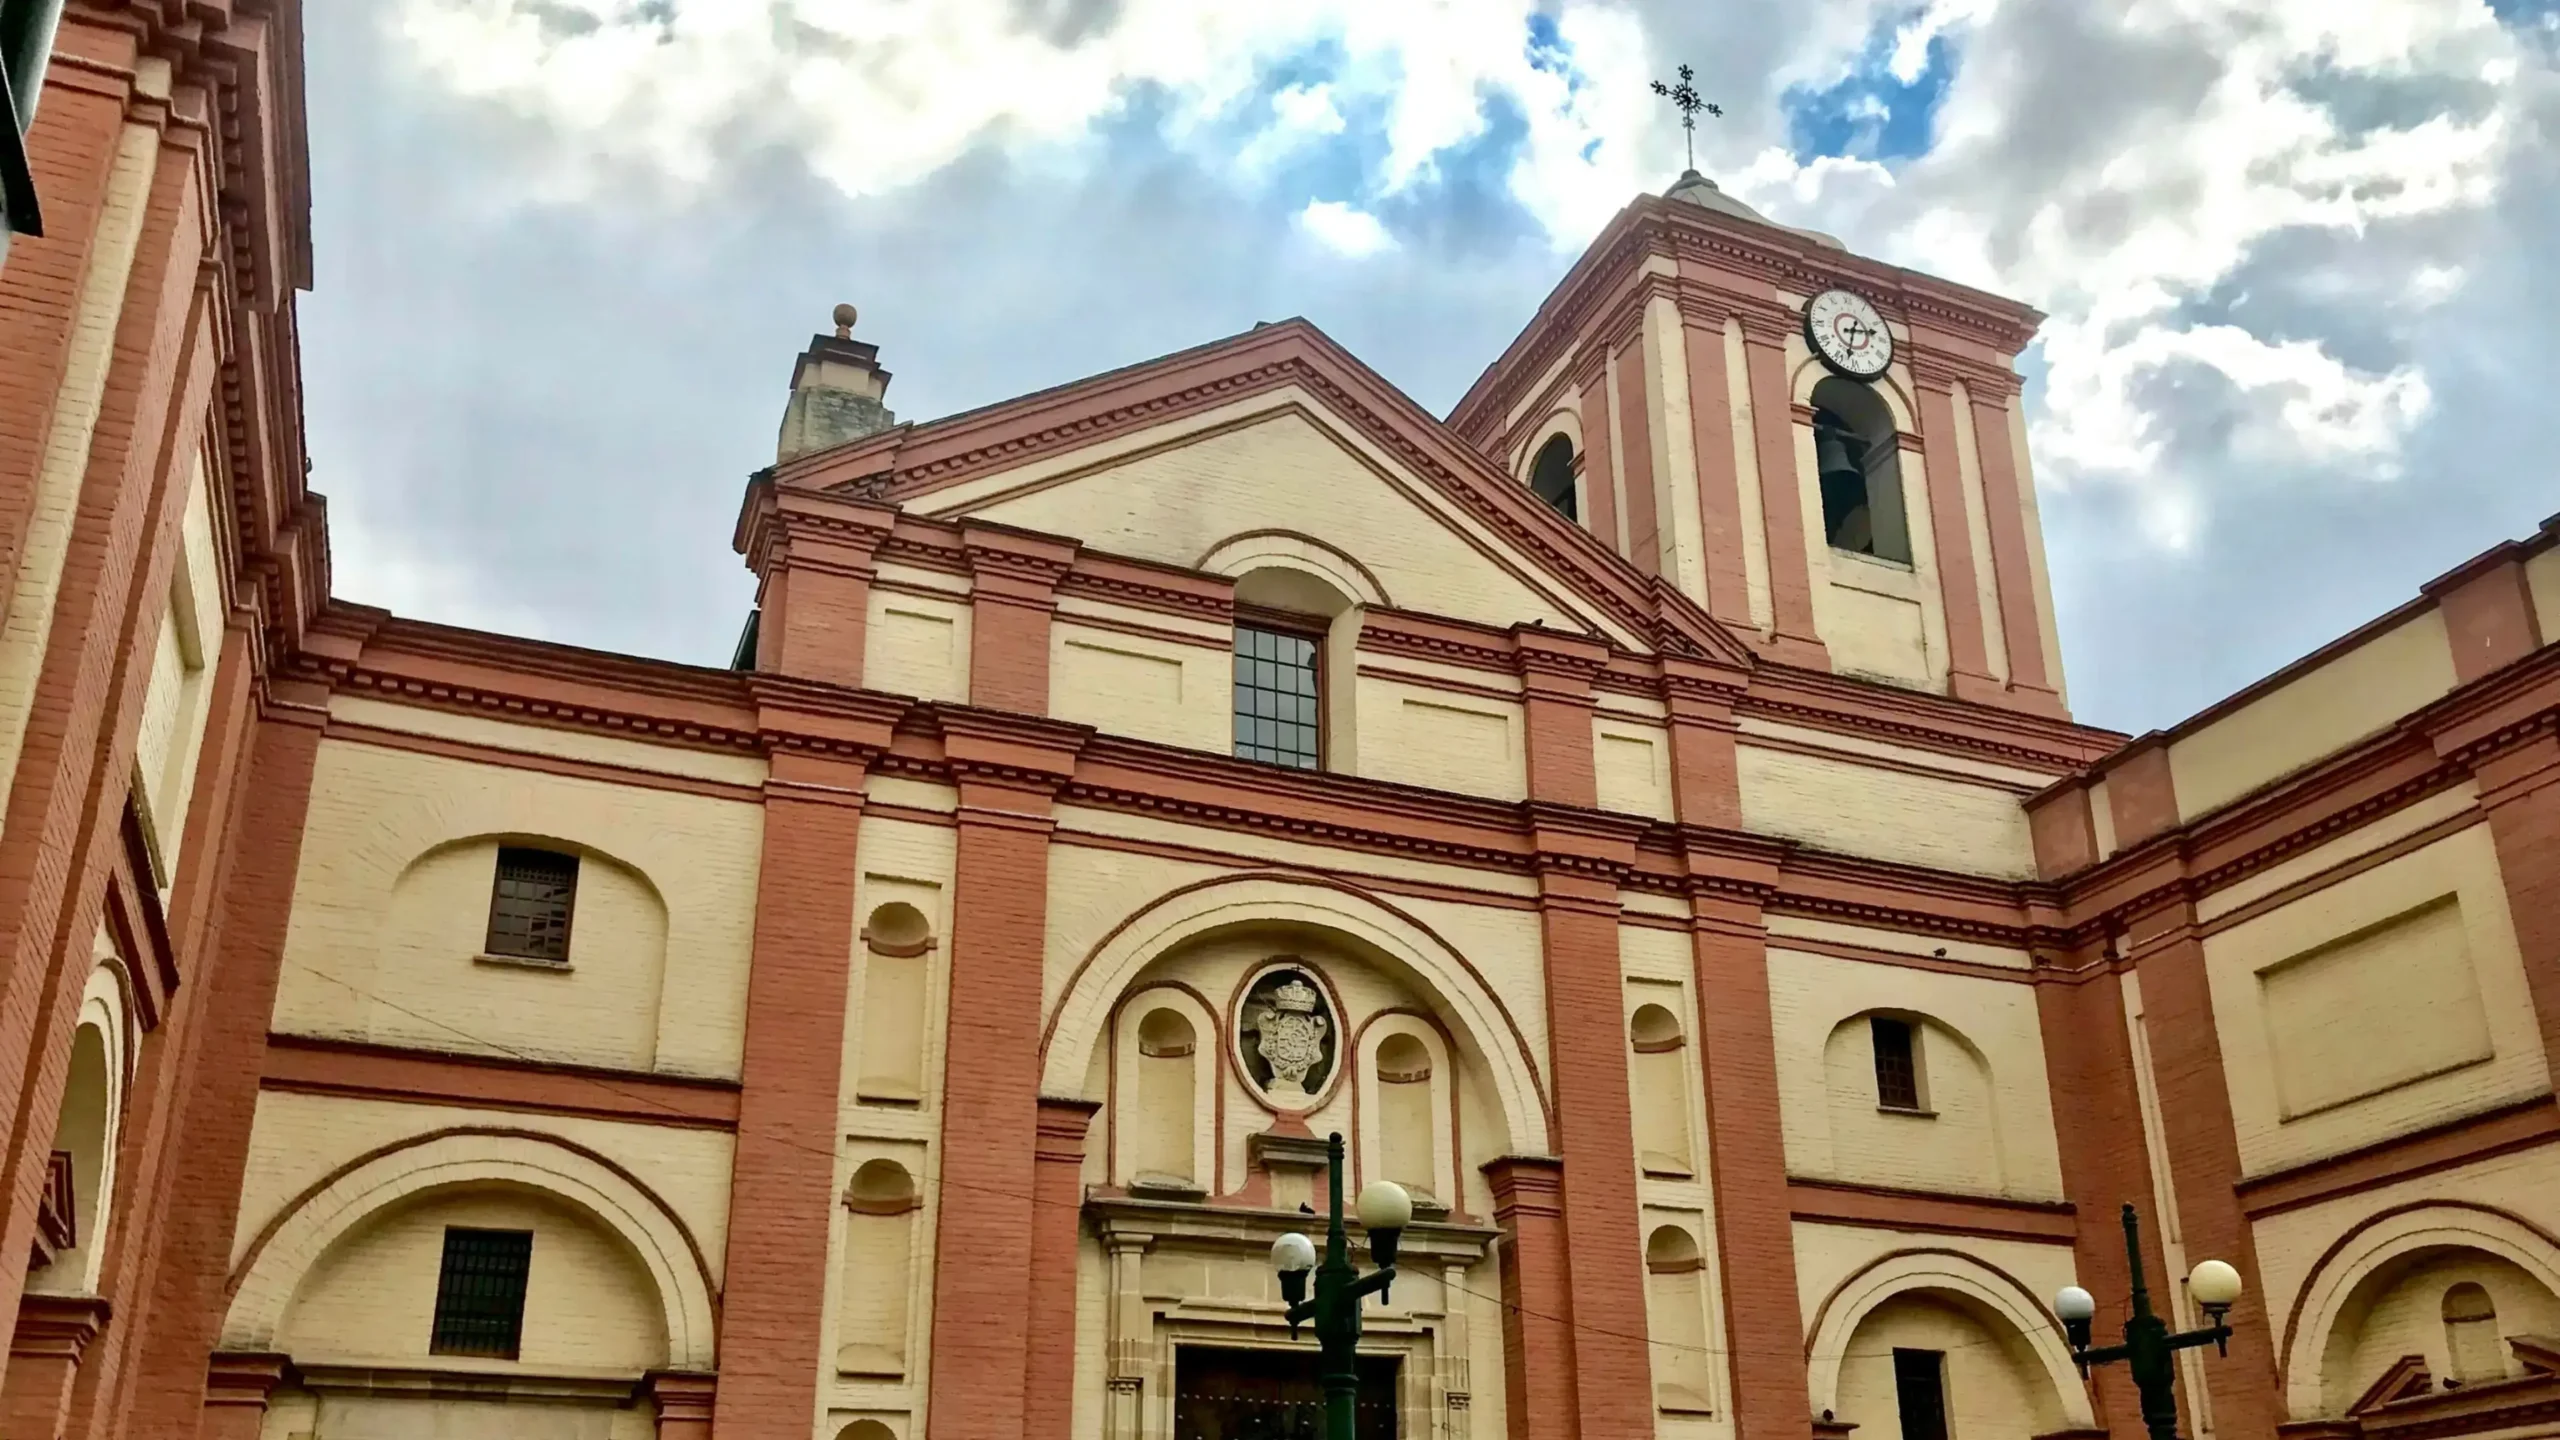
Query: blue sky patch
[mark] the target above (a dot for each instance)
(1869, 113)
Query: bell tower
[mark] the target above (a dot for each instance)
(1825, 451)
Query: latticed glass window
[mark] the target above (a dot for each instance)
(1897, 1076)
(480, 1292)
(530, 904)
(1277, 714)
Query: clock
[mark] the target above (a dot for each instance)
(1845, 330)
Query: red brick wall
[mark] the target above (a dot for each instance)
(1791, 579)
(1968, 655)
(983, 1255)
(1719, 487)
(217, 1094)
(781, 1191)
(1755, 1235)
(1013, 594)
(1057, 1224)
(1537, 1299)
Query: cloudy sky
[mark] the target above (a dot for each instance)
(2302, 257)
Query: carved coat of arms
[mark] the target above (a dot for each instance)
(1292, 1034)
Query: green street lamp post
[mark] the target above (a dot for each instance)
(2149, 1350)
(1385, 1209)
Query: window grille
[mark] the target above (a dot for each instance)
(1897, 1076)
(1920, 1393)
(530, 903)
(480, 1293)
(1277, 714)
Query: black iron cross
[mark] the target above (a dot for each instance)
(1684, 98)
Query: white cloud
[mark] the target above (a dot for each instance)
(1355, 233)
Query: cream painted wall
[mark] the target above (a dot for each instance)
(1270, 462)
(1884, 814)
(1977, 523)
(2038, 563)
(1135, 685)
(2406, 1316)
(2445, 1205)
(174, 706)
(2542, 581)
(29, 617)
(298, 1140)
(1471, 744)
(2379, 1005)
(1631, 761)
(2351, 696)
(916, 645)
(391, 904)
(588, 1306)
(1984, 1076)
(1992, 1389)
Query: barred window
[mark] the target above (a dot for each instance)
(1920, 1393)
(1277, 719)
(529, 905)
(480, 1292)
(1897, 1074)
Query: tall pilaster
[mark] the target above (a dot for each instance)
(1795, 639)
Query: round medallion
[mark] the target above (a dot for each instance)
(1845, 330)
(1287, 1036)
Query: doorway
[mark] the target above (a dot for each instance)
(1271, 1395)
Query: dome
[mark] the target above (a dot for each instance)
(1696, 189)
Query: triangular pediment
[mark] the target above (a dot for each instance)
(1275, 432)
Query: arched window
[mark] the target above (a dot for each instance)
(1676, 1314)
(2471, 1334)
(1858, 458)
(1899, 1081)
(1551, 475)
(879, 1270)
(898, 942)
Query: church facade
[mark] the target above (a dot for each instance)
(1638, 811)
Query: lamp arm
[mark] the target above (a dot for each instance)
(2103, 1355)
(1371, 1283)
(1302, 1312)
(2211, 1335)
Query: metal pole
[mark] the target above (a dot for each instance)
(2146, 1346)
(1338, 1316)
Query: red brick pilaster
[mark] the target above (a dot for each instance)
(1555, 677)
(234, 997)
(1599, 469)
(1613, 1371)
(2204, 1156)
(1013, 595)
(1057, 1221)
(1537, 1338)
(2489, 622)
(1755, 1232)
(1635, 435)
(983, 1256)
(53, 1333)
(813, 558)
(1773, 425)
(781, 1187)
(686, 1402)
(2063, 829)
(1719, 488)
(236, 1389)
(2105, 1161)
(2004, 502)
(2520, 790)
(1968, 657)
(1706, 784)
(72, 152)
(2142, 793)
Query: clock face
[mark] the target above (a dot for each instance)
(1848, 334)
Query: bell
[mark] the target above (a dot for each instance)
(1831, 459)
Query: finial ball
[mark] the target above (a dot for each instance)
(844, 319)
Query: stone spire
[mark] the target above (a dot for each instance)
(836, 390)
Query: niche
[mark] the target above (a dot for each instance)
(899, 945)
(1405, 1150)
(1160, 1125)
(1660, 1081)
(1675, 1296)
(879, 1271)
